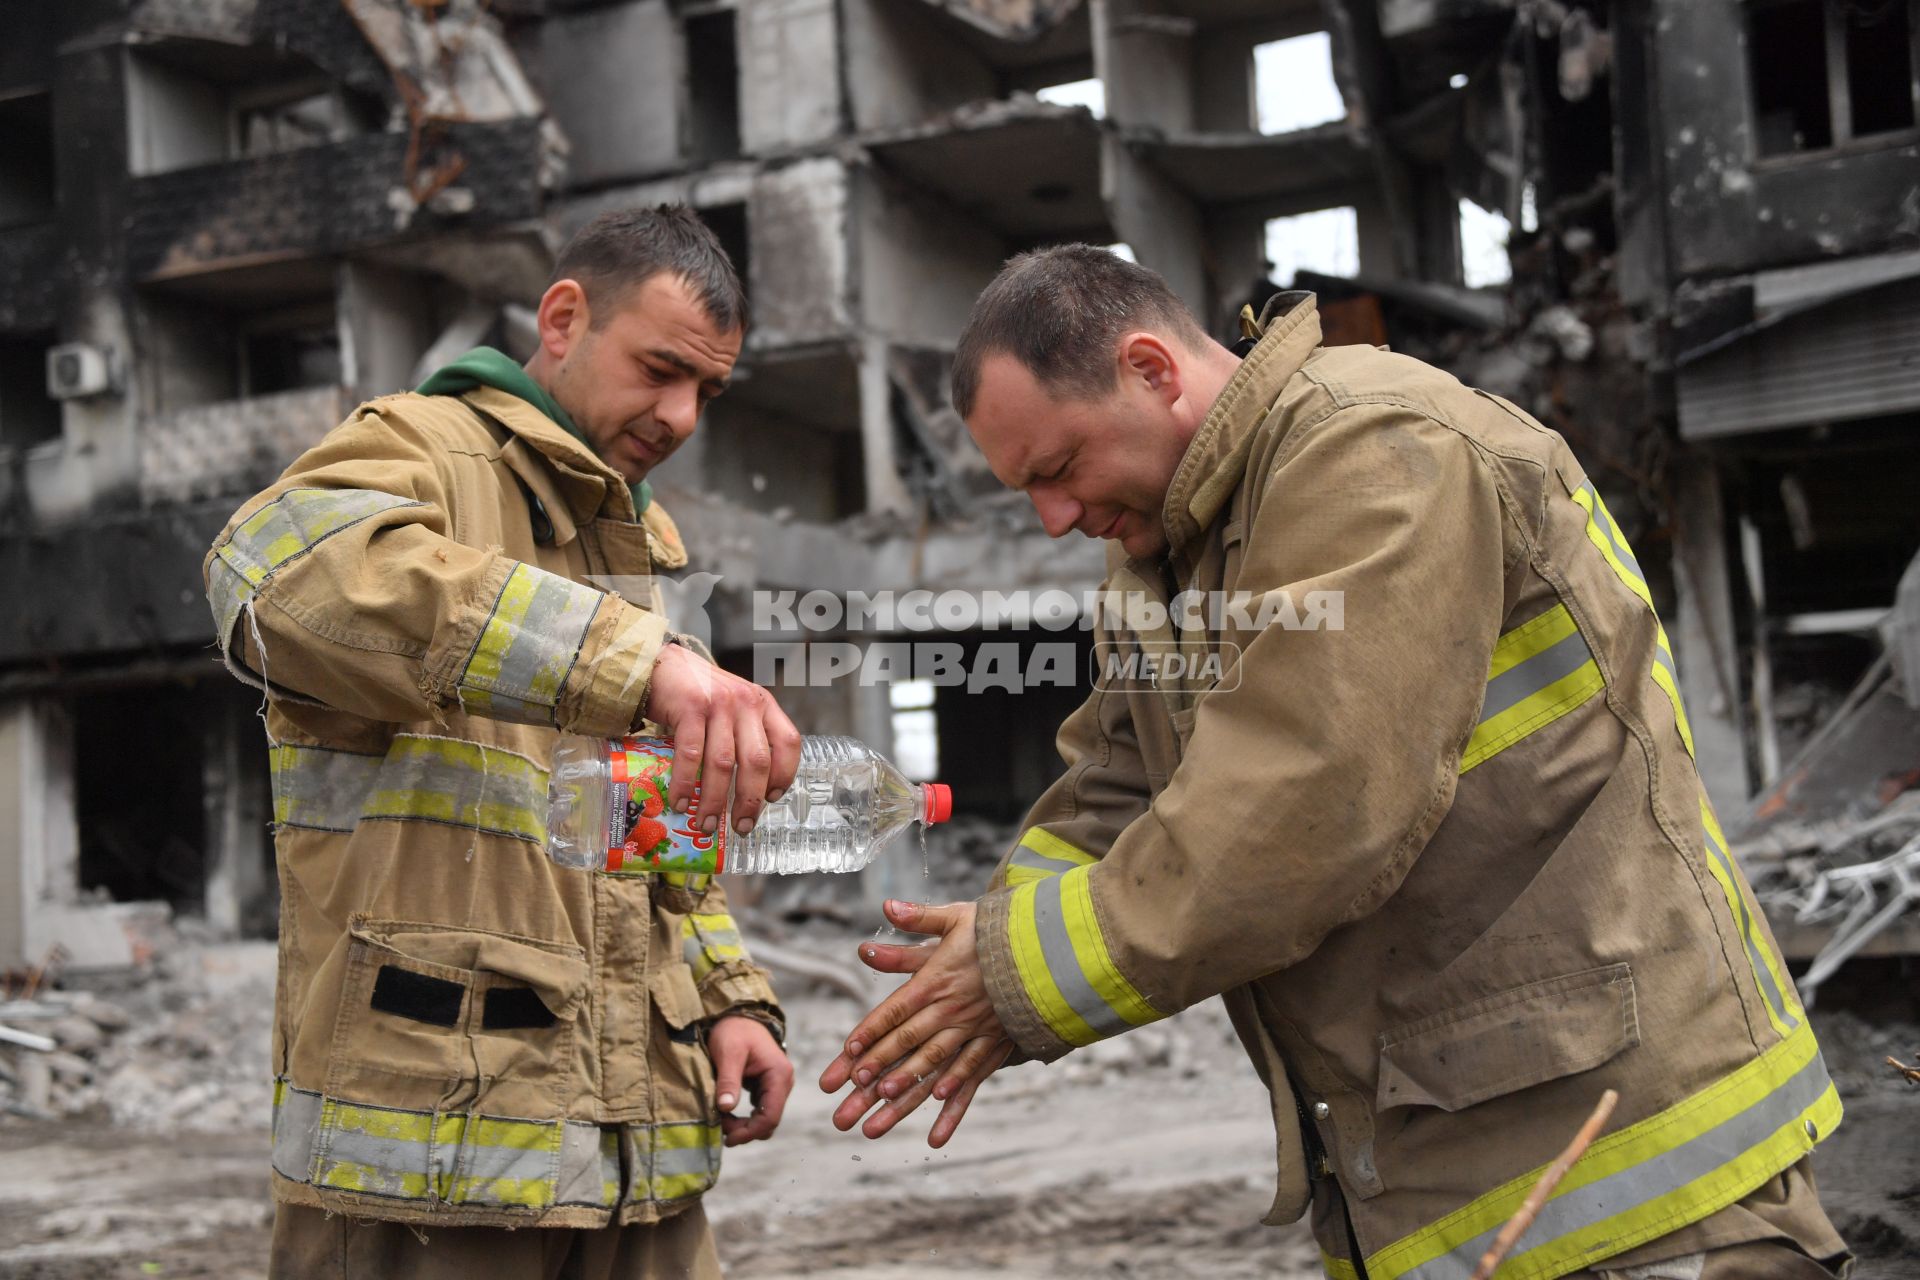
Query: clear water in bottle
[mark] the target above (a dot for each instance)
(607, 811)
(846, 802)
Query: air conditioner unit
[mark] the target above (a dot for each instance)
(78, 369)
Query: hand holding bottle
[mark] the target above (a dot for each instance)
(608, 808)
(729, 734)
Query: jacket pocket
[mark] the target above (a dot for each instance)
(1513, 1040)
(438, 1017)
(683, 1072)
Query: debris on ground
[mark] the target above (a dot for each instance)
(184, 1047)
(163, 1084)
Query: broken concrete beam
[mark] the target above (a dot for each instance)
(28, 1040)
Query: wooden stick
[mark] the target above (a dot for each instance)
(1530, 1207)
(1911, 1073)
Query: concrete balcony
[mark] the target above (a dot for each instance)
(327, 199)
(235, 447)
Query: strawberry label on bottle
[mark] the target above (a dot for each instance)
(644, 836)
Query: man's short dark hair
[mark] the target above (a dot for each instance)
(1059, 311)
(622, 250)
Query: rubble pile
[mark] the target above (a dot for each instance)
(183, 1047)
(1858, 878)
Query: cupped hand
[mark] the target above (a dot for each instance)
(937, 1036)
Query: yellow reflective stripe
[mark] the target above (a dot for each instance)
(675, 1160)
(420, 778)
(1061, 955)
(1337, 1268)
(1667, 676)
(295, 522)
(709, 939)
(1776, 989)
(1041, 853)
(1529, 639)
(610, 1166)
(1030, 962)
(497, 636)
(460, 1159)
(1539, 671)
(1675, 1167)
(694, 882)
(1090, 945)
(319, 788)
(528, 646)
(685, 1137)
(463, 783)
(1605, 534)
(678, 1186)
(487, 1160)
(277, 533)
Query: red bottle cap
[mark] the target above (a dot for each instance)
(939, 802)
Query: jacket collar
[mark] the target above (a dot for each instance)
(589, 485)
(582, 488)
(1216, 457)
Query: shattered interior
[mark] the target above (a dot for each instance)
(258, 212)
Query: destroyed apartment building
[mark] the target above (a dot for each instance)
(223, 223)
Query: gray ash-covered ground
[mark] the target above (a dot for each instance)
(1146, 1156)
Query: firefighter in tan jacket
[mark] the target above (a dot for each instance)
(1419, 802)
(467, 1037)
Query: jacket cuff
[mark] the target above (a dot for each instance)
(611, 680)
(1034, 1039)
(765, 1014)
(729, 986)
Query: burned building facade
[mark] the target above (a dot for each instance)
(224, 224)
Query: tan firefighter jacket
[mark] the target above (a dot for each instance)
(464, 1031)
(1423, 807)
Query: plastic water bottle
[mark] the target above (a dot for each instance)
(607, 810)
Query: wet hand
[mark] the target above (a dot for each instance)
(744, 1050)
(938, 1036)
(728, 734)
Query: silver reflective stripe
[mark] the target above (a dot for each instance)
(296, 1120)
(227, 595)
(500, 706)
(1034, 860)
(1524, 679)
(296, 522)
(1064, 965)
(469, 1160)
(1656, 1176)
(534, 664)
(465, 784)
(589, 1167)
(575, 1159)
(283, 530)
(672, 1162)
(1738, 901)
(1602, 520)
(421, 778)
(320, 788)
(1662, 660)
(712, 941)
(528, 646)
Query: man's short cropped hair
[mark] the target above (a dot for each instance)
(1060, 311)
(622, 250)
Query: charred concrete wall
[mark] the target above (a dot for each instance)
(258, 212)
